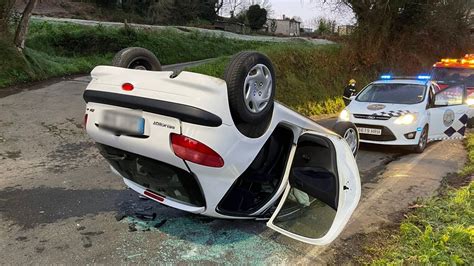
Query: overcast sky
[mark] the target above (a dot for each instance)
(308, 10)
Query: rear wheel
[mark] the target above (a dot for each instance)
(136, 58)
(422, 142)
(349, 132)
(251, 84)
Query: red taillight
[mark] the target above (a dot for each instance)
(154, 196)
(194, 151)
(85, 121)
(127, 86)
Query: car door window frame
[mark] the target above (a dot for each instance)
(349, 191)
(447, 105)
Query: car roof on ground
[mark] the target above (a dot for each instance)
(402, 81)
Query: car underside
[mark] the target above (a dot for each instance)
(223, 149)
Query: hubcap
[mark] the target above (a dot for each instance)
(258, 88)
(351, 137)
(140, 67)
(422, 139)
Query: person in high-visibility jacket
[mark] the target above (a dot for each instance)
(349, 91)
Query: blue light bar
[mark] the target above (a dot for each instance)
(424, 77)
(386, 77)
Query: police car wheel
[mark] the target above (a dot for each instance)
(349, 132)
(136, 58)
(422, 142)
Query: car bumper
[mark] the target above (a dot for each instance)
(391, 134)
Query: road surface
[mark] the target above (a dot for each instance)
(60, 203)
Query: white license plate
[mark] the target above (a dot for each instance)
(369, 131)
(120, 122)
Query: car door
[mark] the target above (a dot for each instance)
(323, 190)
(448, 114)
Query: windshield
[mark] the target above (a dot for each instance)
(393, 93)
(454, 75)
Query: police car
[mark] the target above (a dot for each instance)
(408, 111)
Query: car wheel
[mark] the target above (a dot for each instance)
(349, 132)
(250, 79)
(420, 147)
(136, 58)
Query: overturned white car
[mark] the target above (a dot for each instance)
(223, 148)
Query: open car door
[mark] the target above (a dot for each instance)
(323, 190)
(448, 114)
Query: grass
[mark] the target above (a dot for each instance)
(56, 49)
(310, 79)
(441, 231)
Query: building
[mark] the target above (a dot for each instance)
(231, 26)
(284, 26)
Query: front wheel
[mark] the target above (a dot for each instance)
(422, 142)
(349, 132)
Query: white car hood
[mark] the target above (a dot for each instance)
(384, 109)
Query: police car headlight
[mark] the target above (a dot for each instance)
(344, 115)
(405, 119)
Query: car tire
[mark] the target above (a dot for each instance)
(348, 131)
(250, 78)
(422, 142)
(136, 58)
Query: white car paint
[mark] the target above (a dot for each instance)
(237, 150)
(426, 115)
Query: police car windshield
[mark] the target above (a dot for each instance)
(393, 93)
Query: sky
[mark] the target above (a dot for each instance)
(308, 10)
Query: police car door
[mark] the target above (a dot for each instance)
(448, 116)
(323, 190)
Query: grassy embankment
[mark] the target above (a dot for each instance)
(310, 78)
(441, 231)
(54, 49)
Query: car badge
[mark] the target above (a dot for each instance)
(375, 107)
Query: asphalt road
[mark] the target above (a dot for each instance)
(59, 202)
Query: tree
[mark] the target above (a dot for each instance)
(6, 7)
(324, 26)
(256, 17)
(22, 29)
(419, 31)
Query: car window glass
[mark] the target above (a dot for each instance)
(450, 96)
(393, 93)
(454, 75)
(304, 215)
